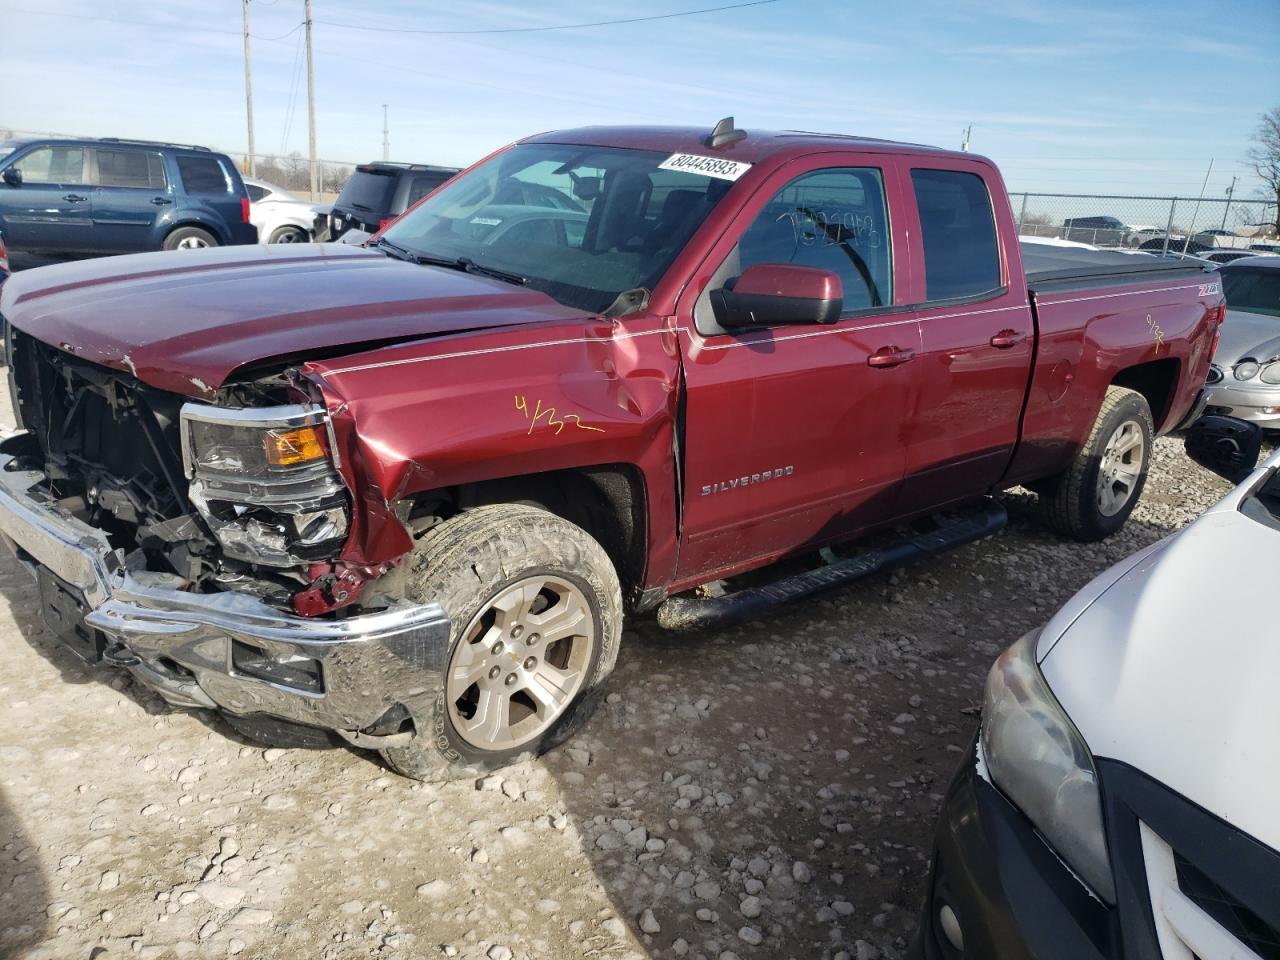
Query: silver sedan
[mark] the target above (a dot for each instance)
(1244, 380)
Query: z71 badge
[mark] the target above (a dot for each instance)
(726, 485)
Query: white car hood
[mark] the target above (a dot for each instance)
(1175, 667)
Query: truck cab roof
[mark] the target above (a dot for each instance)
(756, 147)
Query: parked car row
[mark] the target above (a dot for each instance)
(108, 196)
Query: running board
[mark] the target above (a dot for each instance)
(696, 613)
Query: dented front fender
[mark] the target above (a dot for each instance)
(414, 418)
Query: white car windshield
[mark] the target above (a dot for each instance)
(583, 224)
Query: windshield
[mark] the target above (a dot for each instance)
(1252, 289)
(582, 224)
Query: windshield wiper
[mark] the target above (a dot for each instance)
(400, 253)
(465, 264)
(470, 266)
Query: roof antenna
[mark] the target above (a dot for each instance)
(724, 134)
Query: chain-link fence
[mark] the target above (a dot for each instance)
(1181, 224)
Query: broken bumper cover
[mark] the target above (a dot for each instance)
(228, 650)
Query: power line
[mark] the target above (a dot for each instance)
(562, 26)
(143, 23)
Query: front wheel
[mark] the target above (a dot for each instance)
(1093, 497)
(536, 619)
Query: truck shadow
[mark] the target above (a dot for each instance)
(24, 891)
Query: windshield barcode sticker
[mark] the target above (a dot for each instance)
(707, 166)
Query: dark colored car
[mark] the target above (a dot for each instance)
(1104, 231)
(120, 196)
(377, 193)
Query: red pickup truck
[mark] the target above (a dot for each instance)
(405, 492)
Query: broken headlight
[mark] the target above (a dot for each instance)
(265, 480)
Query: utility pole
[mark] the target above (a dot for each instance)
(311, 110)
(248, 89)
(967, 130)
(386, 136)
(1196, 211)
(1226, 207)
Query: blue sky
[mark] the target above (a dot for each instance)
(1066, 96)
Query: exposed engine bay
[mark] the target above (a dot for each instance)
(240, 495)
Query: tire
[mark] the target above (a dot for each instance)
(289, 234)
(500, 554)
(189, 238)
(1093, 498)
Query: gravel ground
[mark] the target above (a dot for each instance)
(766, 791)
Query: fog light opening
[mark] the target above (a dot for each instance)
(950, 925)
(301, 673)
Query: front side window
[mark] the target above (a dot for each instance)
(833, 220)
(624, 219)
(53, 164)
(203, 175)
(130, 168)
(961, 252)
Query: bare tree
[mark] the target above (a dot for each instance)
(1264, 155)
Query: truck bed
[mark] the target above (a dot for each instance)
(1055, 269)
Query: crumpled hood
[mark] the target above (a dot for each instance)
(1247, 335)
(183, 321)
(1174, 668)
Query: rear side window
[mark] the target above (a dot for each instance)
(203, 175)
(961, 253)
(130, 168)
(256, 192)
(53, 165)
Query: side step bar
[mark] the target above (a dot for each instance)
(696, 613)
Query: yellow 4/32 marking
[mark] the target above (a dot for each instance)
(549, 413)
(1156, 333)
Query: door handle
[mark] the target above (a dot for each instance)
(1007, 338)
(160, 201)
(74, 198)
(890, 357)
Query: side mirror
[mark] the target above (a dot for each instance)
(775, 293)
(1226, 446)
(13, 176)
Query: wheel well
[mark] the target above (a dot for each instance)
(607, 501)
(199, 225)
(1156, 380)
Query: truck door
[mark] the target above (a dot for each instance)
(49, 209)
(977, 334)
(794, 433)
(130, 195)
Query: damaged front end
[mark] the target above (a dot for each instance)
(183, 540)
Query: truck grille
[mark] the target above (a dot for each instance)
(105, 437)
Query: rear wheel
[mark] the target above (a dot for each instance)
(536, 614)
(1093, 497)
(289, 235)
(189, 238)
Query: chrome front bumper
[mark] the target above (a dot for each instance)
(200, 649)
